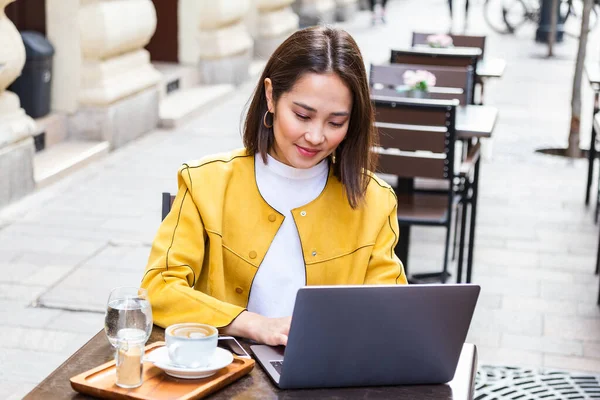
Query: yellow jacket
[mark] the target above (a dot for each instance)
(210, 246)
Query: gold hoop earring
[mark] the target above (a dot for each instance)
(265, 121)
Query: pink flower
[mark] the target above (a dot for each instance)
(439, 40)
(419, 79)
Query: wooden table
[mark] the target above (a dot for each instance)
(257, 385)
(490, 68)
(486, 68)
(453, 51)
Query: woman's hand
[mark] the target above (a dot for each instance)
(271, 331)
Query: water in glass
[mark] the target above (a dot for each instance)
(126, 315)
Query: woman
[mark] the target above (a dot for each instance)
(297, 206)
(381, 12)
(465, 22)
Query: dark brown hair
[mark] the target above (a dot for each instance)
(321, 50)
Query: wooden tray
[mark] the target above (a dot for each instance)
(100, 381)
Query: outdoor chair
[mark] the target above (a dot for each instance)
(451, 82)
(385, 78)
(417, 140)
(440, 58)
(167, 203)
(420, 38)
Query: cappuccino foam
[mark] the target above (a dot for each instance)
(191, 332)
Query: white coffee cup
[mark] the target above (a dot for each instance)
(191, 344)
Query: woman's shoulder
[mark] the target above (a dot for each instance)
(220, 163)
(379, 192)
(377, 185)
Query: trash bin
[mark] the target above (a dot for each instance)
(541, 34)
(33, 86)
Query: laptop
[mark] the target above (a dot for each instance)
(372, 336)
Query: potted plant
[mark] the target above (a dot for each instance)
(440, 41)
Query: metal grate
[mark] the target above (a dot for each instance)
(511, 383)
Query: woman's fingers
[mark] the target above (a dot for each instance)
(283, 339)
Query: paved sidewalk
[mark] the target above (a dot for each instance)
(64, 247)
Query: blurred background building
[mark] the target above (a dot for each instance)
(79, 78)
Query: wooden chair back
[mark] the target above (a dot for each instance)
(465, 57)
(385, 79)
(416, 137)
(167, 203)
(438, 57)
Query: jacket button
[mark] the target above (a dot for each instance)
(252, 254)
(314, 253)
(239, 290)
(272, 217)
(303, 213)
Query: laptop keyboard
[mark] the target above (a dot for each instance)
(278, 365)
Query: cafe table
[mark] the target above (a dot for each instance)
(472, 122)
(490, 68)
(487, 67)
(256, 385)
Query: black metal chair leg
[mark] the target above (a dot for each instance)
(598, 267)
(473, 217)
(598, 257)
(597, 200)
(461, 249)
(446, 251)
(454, 240)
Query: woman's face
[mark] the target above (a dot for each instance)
(310, 120)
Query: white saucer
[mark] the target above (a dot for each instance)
(160, 358)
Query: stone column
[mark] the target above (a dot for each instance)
(16, 128)
(345, 9)
(225, 46)
(101, 61)
(276, 21)
(314, 12)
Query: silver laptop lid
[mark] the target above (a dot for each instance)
(377, 335)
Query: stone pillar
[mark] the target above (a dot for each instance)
(276, 21)
(314, 12)
(101, 60)
(188, 31)
(16, 128)
(225, 46)
(345, 9)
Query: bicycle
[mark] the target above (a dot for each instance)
(507, 16)
(573, 25)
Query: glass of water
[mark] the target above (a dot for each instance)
(128, 315)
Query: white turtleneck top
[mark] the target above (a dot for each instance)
(282, 271)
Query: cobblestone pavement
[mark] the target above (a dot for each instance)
(64, 247)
